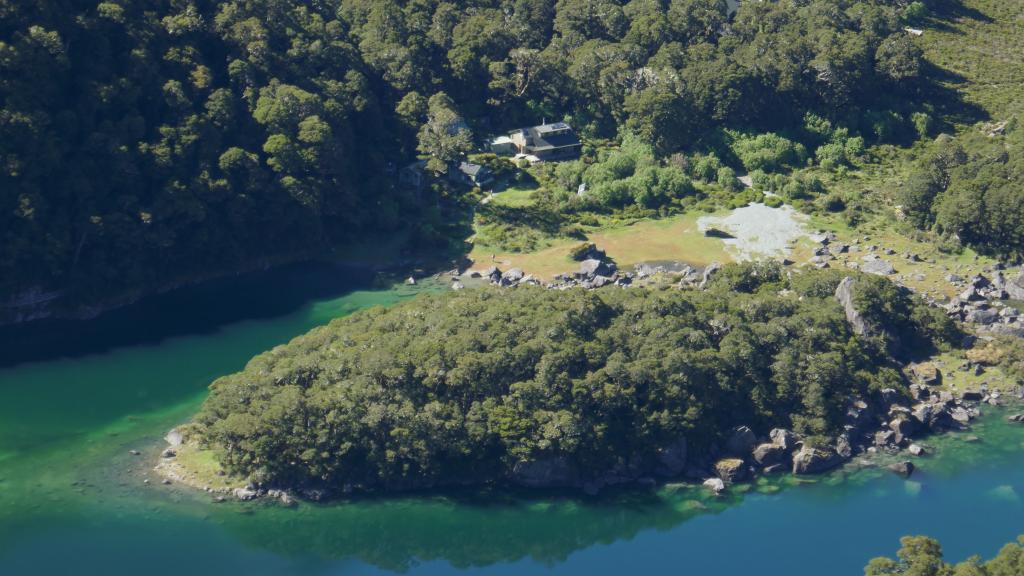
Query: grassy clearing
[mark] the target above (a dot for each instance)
(953, 378)
(514, 197)
(676, 238)
(199, 469)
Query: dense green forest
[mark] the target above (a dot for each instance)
(466, 386)
(142, 141)
(969, 190)
(922, 556)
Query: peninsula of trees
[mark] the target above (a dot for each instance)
(550, 388)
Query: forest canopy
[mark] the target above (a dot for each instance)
(468, 386)
(146, 140)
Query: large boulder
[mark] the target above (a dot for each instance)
(811, 460)
(879, 267)
(552, 472)
(783, 438)
(843, 448)
(593, 267)
(927, 373)
(716, 485)
(769, 454)
(512, 276)
(741, 441)
(903, 427)
(731, 470)
(672, 459)
(1014, 287)
(983, 316)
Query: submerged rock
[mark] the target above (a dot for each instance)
(905, 468)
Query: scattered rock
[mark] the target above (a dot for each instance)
(134, 452)
(410, 281)
(169, 453)
(1017, 418)
(916, 449)
(244, 494)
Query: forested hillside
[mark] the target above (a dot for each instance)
(142, 141)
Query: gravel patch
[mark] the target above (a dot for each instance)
(759, 231)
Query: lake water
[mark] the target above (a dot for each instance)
(75, 397)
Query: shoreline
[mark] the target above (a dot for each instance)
(26, 314)
(895, 458)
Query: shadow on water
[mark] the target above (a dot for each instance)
(193, 310)
(397, 534)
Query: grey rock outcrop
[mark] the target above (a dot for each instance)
(844, 294)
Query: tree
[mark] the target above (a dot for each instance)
(445, 135)
(899, 59)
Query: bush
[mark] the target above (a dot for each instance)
(768, 152)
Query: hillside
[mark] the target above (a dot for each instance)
(146, 142)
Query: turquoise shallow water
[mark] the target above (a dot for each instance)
(76, 397)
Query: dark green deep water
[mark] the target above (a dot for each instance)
(75, 397)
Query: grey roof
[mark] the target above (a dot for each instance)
(470, 169)
(556, 140)
(556, 127)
